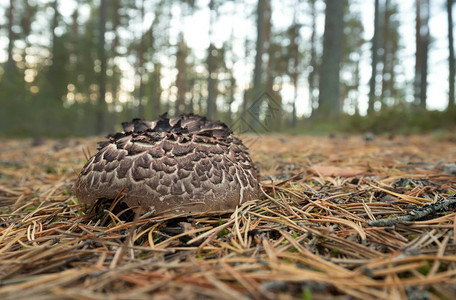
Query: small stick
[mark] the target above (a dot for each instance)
(417, 213)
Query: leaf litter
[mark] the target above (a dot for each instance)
(339, 217)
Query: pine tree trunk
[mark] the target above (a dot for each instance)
(357, 80)
(295, 75)
(191, 103)
(210, 103)
(375, 46)
(229, 118)
(140, 66)
(101, 112)
(258, 71)
(386, 92)
(53, 69)
(10, 62)
(451, 59)
(313, 59)
(421, 57)
(156, 92)
(329, 98)
(181, 75)
(210, 83)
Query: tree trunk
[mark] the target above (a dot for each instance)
(451, 97)
(313, 59)
(295, 74)
(191, 103)
(426, 40)
(386, 52)
(101, 112)
(375, 46)
(210, 104)
(258, 71)
(329, 98)
(229, 117)
(156, 92)
(272, 118)
(278, 113)
(10, 63)
(141, 64)
(210, 83)
(243, 126)
(421, 57)
(181, 79)
(215, 94)
(53, 68)
(357, 80)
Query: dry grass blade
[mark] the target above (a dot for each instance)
(405, 198)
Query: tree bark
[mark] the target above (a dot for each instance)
(141, 64)
(329, 98)
(295, 74)
(181, 79)
(451, 60)
(313, 59)
(421, 57)
(258, 71)
(101, 112)
(424, 73)
(210, 83)
(229, 118)
(375, 46)
(53, 68)
(386, 52)
(156, 91)
(11, 38)
(210, 104)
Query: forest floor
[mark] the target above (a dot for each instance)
(341, 217)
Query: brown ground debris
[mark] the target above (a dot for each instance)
(312, 235)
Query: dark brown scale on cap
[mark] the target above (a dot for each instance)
(111, 166)
(143, 161)
(140, 174)
(123, 168)
(166, 180)
(181, 150)
(184, 165)
(155, 152)
(153, 182)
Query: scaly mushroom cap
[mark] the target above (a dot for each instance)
(186, 164)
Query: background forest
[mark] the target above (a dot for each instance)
(81, 67)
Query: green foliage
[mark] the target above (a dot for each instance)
(400, 119)
(306, 294)
(425, 269)
(293, 249)
(49, 169)
(30, 208)
(223, 233)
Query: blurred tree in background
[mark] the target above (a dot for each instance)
(81, 67)
(451, 58)
(422, 50)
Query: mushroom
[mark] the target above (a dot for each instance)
(183, 165)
